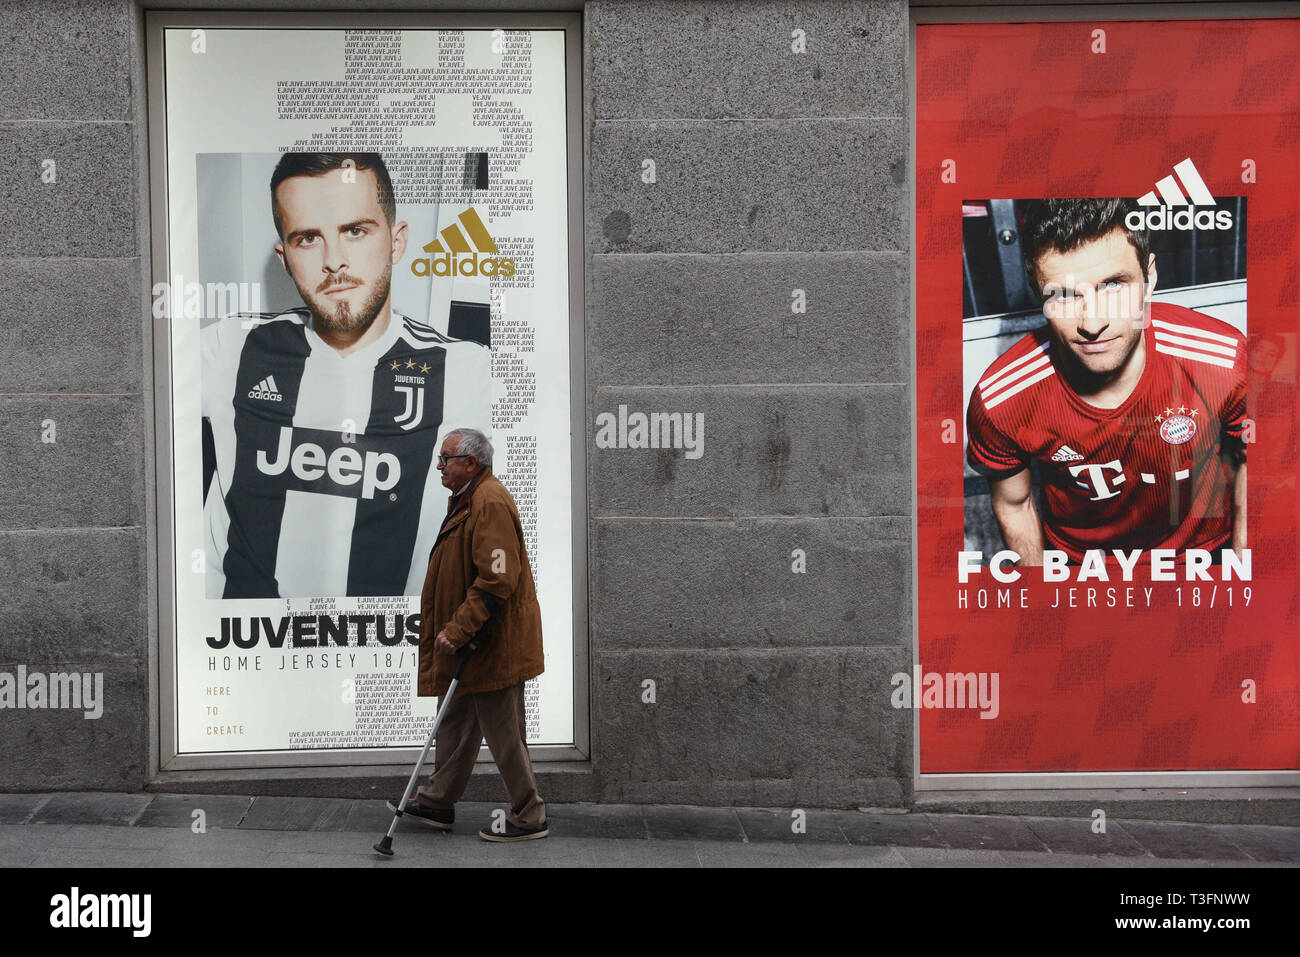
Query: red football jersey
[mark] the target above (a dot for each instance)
(1149, 474)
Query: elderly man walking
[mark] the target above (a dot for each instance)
(479, 580)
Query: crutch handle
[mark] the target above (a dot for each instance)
(464, 657)
(467, 651)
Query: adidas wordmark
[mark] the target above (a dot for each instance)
(1163, 215)
(266, 390)
(458, 257)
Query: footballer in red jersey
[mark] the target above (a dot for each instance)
(1134, 410)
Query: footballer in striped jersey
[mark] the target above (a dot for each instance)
(323, 422)
(1134, 410)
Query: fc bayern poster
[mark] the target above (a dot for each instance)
(366, 248)
(1107, 225)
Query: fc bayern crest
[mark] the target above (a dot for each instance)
(1178, 429)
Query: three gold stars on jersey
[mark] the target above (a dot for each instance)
(410, 364)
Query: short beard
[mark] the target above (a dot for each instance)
(1090, 377)
(344, 321)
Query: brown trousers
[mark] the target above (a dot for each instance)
(497, 716)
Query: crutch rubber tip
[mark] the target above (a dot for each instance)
(385, 846)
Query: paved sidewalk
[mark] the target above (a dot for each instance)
(146, 830)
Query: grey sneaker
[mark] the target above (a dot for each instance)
(513, 833)
(442, 820)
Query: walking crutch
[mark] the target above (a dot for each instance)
(385, 846)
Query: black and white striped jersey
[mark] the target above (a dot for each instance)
(324, 481)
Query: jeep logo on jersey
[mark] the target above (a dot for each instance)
(458, 257)
(337, 469)
(1164, 216)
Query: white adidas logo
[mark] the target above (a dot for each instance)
(266, 390)
(1066, 454)
(1164, 215)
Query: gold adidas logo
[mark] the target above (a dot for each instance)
(458, 257)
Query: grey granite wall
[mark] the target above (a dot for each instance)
(775, 171)
(73, 462)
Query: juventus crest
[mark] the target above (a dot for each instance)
(413, 412)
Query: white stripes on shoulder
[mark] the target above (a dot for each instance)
(1198, 345)
(1016, 376)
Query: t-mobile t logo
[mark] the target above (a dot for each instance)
(1097, 479)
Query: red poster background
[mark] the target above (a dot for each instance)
(1029, 110)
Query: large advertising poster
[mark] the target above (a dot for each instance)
(367, 247)
(1106, 417)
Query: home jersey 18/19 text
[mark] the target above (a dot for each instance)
(325, 482)
(1157, 472)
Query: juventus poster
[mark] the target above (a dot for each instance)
(367, 248)
(1106, 235)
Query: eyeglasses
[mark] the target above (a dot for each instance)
(442, 459)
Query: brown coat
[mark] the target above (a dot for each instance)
(478, 561)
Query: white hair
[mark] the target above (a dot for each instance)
(475, 443)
